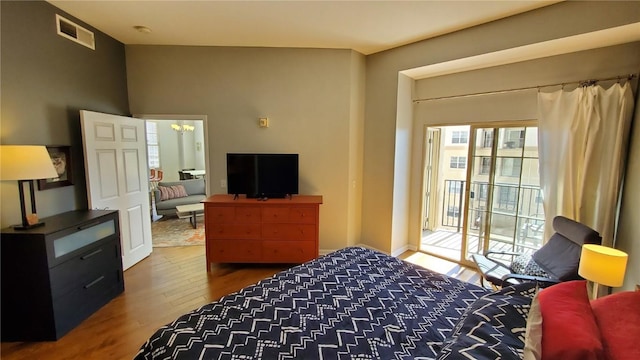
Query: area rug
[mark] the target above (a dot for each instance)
(172, 231)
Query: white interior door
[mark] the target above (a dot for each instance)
(116, 170)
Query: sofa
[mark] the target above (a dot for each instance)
(168, 195)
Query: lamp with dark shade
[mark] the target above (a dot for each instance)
(26, 163)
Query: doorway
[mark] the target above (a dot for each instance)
(483, 182)
(176, 145)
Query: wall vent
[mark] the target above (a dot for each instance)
(75, 32)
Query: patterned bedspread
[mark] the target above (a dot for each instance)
(352, 304)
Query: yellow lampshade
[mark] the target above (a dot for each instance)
(25, 162)
(603, 265)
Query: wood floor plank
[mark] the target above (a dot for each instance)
(169, 283)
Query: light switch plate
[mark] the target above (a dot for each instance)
(264, 122)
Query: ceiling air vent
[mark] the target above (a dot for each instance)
(75, 32)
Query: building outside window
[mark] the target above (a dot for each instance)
(511, 167)
(487, 139)
(458, 162)
(514, 139)
(485, 165)
(459, 137)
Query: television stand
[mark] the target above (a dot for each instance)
(248, 231)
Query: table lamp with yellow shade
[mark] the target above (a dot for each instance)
(602, 265)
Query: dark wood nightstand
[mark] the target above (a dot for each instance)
(55, 276)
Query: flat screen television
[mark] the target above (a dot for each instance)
(262, 175)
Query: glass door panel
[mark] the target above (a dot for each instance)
(505, 205)
(480, 169)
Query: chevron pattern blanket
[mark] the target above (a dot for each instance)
(352, 304)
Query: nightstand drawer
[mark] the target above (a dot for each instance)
(82, 236)
(85, 299)
(84, 268)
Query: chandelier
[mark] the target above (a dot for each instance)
(182, 128)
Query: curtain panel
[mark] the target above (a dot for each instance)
(583, 139)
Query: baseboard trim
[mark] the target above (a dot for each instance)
(323, 252)
(396, 253)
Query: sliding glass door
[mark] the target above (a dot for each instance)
(504, 204)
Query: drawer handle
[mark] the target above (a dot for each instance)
(94, 282)
(86, 226)
(95, 252)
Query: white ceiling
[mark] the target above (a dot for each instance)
(365, 26)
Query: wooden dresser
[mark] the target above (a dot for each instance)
(254, 231)
(56, 275)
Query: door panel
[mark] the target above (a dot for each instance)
(136, 227)
(105, 165)
(116, 168)
(131, 171)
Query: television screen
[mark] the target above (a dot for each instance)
(241, 174)
(262, 175)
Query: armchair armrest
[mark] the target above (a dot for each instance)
(490, 252)
(544, 281)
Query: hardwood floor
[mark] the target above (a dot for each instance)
(169, 283)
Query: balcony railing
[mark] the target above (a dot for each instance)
(525, 202)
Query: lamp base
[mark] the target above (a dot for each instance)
(27, 227)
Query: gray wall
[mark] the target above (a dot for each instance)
(382, 188)
(314, 109)
(46, 79)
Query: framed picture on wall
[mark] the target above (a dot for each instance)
(61, 159)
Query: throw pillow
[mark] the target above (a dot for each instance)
(618, 317)
(533, 333)
(172, 192)
(493, 327)
(525, 265)
(569, 329)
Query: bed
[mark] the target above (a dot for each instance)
(355, 303)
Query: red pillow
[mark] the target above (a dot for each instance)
(618, 317)
(569, 329)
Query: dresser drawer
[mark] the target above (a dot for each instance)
(233, 231)
(219, 214)
(303, 215)
(227, 214)
(73, 307)
(276, 214)
(298, 232)
(287, 214)
(290, 251)
(235, 251)
(84, 268)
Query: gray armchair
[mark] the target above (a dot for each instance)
(556, 261)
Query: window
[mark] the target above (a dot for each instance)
(507, 196)
(453, 211)
(485, 165)
(514, 139)
(487, 138)
(511, 167)
(153, 148)
(459, 137)
(458, 162)
(456, 186)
